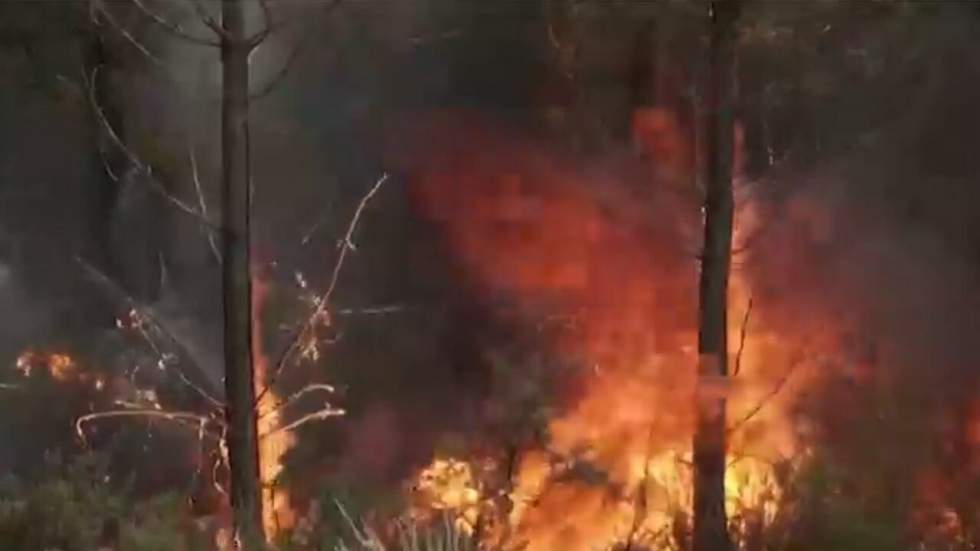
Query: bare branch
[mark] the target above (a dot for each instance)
(764, 401)
(278, 77)
(371, 310)
(8, 386)
(136, 162)
(267, 18)
(326, 412)
(106, 165)
(294, 53)
(202, 204)
(146, 313)
(272, 26)
(296, 396)
(174, 28)
(209, 229)
(99, 8)
(221, 459)
(741, 338)
(208, 19)
(322, 302)
(316, 226)
(200, 391)
(177, 416)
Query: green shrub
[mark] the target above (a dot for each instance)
(74, 508)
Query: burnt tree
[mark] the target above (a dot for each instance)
(710, 523)
(243, 451)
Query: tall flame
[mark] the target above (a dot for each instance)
(274, 443)
(523, 223)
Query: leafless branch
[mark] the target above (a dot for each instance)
(146, 313)
(208, 19)
(316, 226)
(181, 417)
(278, 77)
(122, 30)
(136, 162)
(765, 400)
(200, 391)
(267, 26)
(106, 166)
(202, 204)
(296, 396)
(209, 229)
(371, 310)
(220, 459)
(743, 332)
(326, 412)
(174, 28)
(8, 386)
(293, 55)
(272, 26)
(307, 328)
(201, 453)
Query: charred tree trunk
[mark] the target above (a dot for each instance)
(710, 523)
(242, 438)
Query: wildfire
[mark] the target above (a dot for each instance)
(448, 484)
(616, 467)
(61, 367)
(274, 443)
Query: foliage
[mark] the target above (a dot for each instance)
(160, 524)
(74, 508)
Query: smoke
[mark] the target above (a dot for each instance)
(494, 232)
(874, 250)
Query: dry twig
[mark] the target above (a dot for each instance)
(741, 338)
(296, 396)
(202, 204)
(174, 28)
(322, 302)
(146, 314)
(326, 412)
(765, 400)
(178, 416)
(136, 162)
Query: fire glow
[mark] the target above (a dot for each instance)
(273, 442)
(523, 224)
(61, 367)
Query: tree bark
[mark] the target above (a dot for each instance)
(710, 522)
(242, 439)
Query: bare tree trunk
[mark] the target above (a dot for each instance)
(710, 523)
(243, 455)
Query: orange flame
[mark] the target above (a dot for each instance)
(277, 512)
(61, 367)
(523, 222)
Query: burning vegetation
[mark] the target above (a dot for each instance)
(488, 332)
(615, 464)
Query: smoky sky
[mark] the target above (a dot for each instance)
(880, 170)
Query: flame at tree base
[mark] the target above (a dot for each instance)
(615, 467)
(273, 442)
